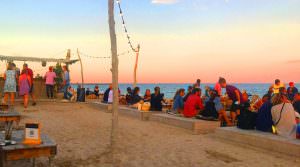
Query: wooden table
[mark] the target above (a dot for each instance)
(48, 148)
(9, 117)
(6, 116)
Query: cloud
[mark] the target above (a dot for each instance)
(164, 1)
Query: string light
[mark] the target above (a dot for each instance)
(102, 57)
(124, 26)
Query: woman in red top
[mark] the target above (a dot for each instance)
(25, 84)
(193, 103)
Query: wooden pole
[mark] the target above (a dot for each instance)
(82, 78)
(114, 70)
(136, 66)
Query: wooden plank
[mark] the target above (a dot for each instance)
(6, 119)
(29, 153)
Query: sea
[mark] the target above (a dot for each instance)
(170, 89)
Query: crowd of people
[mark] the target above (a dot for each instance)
(18, 83)
(277, 111)
(132, 97)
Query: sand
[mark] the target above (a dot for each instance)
(83, 136)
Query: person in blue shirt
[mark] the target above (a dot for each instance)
(66, 81)
(178, 101)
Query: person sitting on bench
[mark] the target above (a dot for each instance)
(296, 102)
(178, 102)
(193, 103)
(284, 116)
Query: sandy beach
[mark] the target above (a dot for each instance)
(83, 134)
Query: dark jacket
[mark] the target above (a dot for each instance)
(297, 106)
(136, 99)
(105, 96)
(156, 102)
(264, 120)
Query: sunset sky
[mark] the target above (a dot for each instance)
(181, 40)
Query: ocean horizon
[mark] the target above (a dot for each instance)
(169, 89)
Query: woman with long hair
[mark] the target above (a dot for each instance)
(25, 83)
(136, 97)
(284, 116)
(147, 96)
(10, 84)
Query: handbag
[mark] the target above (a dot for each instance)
(274, 129)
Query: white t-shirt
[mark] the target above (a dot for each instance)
(110, 96)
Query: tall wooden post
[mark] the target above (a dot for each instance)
(114, 70)
(137, 51)
(82, 78)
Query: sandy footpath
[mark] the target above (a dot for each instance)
(83, 133)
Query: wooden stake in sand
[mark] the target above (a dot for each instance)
(114, 70)
(137, 51)
(82, 78)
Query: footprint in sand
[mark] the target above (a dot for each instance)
(221, 156)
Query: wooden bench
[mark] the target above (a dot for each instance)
(195, 125)
(20, 151)
(124, 110)
(267, 141)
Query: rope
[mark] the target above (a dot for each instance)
(102, 57)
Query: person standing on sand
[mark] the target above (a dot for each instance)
(50, 76)
(10, 84)
(106, 93)
(17, 81)
(235, 95)
(66, 81)
(218, 88)
(25, 84)
(30, 73)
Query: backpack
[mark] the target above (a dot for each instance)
(246, 119)
(264, 120)
(210, 110)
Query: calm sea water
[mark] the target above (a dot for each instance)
(170, 89)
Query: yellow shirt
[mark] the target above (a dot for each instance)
(277, 87)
